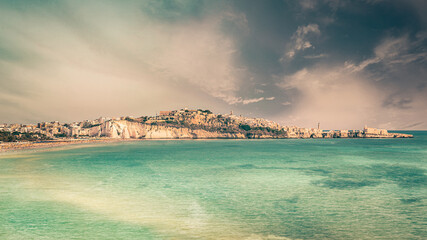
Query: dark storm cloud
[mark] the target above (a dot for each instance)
(285, 60)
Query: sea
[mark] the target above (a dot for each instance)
(218, 189)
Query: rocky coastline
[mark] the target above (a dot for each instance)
(178, 124)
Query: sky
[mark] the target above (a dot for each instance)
(343, 64)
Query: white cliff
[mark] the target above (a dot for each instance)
(127, 129)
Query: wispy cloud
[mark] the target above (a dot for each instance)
(247, 101)
(316, 56)
(299, 40)
(253, 100)
(392, 51)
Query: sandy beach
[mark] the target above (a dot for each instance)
(15, 146)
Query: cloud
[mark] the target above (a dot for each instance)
(240, 100)
(398, 69)
(371, 92)
(307, 4)
(69, 62)
(74, 59)
(331, 95)
(253, 100)
(299, 40)
(396, 102)
(316, 56)
(392, 51)
(336, 4)
(199, 54)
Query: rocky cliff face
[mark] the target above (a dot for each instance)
(124, 129)
(136, 130)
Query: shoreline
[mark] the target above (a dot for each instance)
(7, 147)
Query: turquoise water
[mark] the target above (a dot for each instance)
(218, 189)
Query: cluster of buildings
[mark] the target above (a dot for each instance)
(21, 129)
(206, 118)
(296, 132)
(54, 129)
(374, 131)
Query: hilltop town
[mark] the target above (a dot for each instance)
(177, 124)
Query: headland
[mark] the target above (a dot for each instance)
(177, 124)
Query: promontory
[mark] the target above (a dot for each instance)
(177, 124)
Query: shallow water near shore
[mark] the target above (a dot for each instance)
(219, 189)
